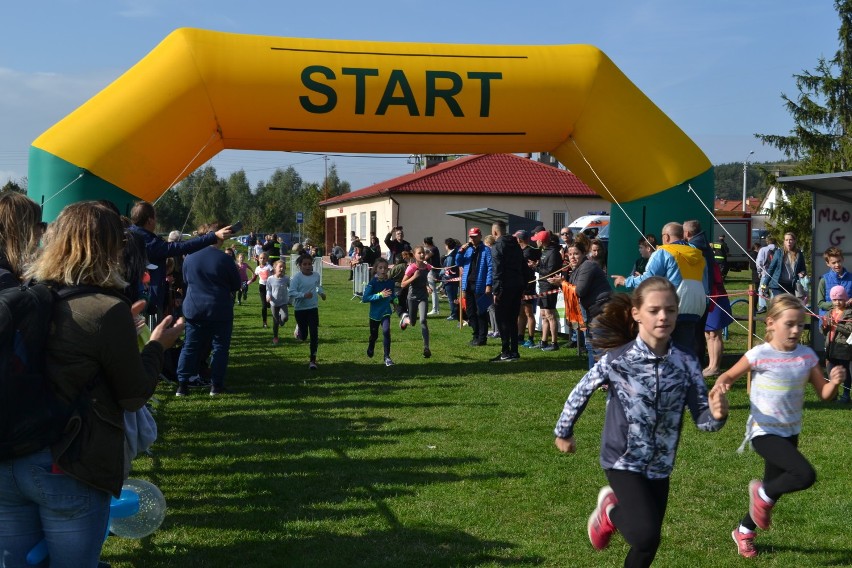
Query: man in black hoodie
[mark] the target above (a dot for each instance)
(508, 263)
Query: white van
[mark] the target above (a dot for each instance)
(589, 224)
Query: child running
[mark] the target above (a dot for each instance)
(304, 289)
(397, 273)
(278, 296)
(243, 270)
(416, 280)
(651, 382)
(781, 368)
(261, 273)
(379, 293)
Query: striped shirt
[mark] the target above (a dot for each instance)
(778, 389)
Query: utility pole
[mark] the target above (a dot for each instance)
(745, 180)
(325, 181)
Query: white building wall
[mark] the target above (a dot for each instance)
(423, 215)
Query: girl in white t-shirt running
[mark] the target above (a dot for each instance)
(781, 369)
(262, 273)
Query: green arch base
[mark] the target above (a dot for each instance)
(55, 173)
(652, 212)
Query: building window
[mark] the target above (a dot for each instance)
(558, 220)
(531, 215)
(363, 234)
(373, 223)
(353, 223)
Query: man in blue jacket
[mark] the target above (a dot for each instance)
(144, 220)
(474, 258)
(684, 266)
(211, 279)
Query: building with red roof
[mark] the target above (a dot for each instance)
(447, 199)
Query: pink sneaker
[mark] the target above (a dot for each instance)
(745, 543)
(404, 321)
(759, 509)
(600, 526)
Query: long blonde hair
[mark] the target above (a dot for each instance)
(83, 247)
(19, 230)
(778, 305)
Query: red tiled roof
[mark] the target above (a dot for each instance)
(485, 174)
(753, 204)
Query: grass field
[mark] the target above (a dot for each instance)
(442, 462)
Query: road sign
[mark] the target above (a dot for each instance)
(300, 217)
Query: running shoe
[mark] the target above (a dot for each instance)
(600, 526)
(745, 543)
(759, 509)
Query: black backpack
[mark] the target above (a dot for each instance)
(770, 254)
(30, 415)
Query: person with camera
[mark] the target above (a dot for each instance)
(396, 243)
(474, 259)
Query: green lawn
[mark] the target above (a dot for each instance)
(441, 462)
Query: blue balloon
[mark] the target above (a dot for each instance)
(149, 516)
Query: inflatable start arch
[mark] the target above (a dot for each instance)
(200, 92)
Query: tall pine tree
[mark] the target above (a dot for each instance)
(820, 140)
(822, 112)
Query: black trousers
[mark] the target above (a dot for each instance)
(506, 310)
(785, 470)
(639, 514)
(477, 319)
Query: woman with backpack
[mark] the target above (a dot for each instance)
(61, 493)
(20, 231)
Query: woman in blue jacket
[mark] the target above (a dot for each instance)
(786, 269)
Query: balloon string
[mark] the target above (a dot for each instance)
(72, 182)
(752, 260)
(608, 192)
(179, 176)
(627, 216)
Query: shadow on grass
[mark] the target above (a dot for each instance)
(313, 470)
(402, 546)
(836, 556)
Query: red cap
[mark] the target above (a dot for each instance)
(474, 232)
(541, 236)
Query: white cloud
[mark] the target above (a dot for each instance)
(30, 103)
(139, 9)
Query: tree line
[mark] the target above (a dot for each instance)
(819, 142)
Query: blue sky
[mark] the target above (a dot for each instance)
(716, 68)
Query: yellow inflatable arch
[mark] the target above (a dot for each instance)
(200, 92)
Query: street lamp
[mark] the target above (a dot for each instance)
(745, 178)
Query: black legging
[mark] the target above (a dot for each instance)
(786, 470)
(308, 322)
(264, 305)
(639, 514)
(386, 337)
